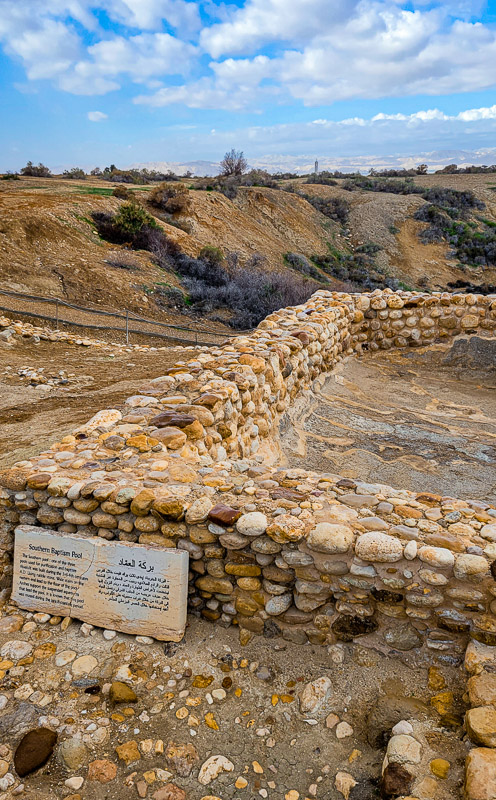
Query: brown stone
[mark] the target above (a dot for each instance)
(396, 781)
(246, 606)
(346, 627)
(181, 758)
(480, 774)
(142, 503)
(482, 689)
(169, 508)
(102, 771)
(34, 750)
(39, 480)
(176, 419)
(243, 570)
(170, 792)
(224, 515)
(214, 585)
(481, 725)
(173, 438)
(122, 693)
(128, 752)
(11, 624)
(208, 399)
(13, 479)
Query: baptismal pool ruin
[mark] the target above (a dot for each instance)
(271, 461)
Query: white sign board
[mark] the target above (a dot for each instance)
(125, 587)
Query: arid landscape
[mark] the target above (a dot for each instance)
(342, 684)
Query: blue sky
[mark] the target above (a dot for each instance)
(89, 82)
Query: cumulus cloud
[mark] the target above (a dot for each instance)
(368, 50)
(97, 116)
(309, 52)
(149, 14)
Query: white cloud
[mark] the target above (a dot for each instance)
(45, 46)
(320, 51)
(149, 14)
(97, 116)
(142, 56)
(262, 21)
(369, 49)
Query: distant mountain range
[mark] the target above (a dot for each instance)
(436, 159)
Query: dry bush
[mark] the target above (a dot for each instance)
(170, 197)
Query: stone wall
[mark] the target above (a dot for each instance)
(191, 461)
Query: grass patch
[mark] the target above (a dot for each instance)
(99, 191)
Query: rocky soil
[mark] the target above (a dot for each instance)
(126, 717)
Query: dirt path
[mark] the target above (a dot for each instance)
(31, 418)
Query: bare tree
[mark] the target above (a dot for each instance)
(233, 163)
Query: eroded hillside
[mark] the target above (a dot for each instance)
(49, 244)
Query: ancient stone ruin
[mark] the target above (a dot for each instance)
(193, 461)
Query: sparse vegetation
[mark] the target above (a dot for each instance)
(233, 163)
(336, 208)
(32, 171)
(169, 197)
(358, 269)
(122, 192)
(229, 185)
(10, 176)
(247, 291)
(75, 173)
(323, 178)
(301, 264)
(454, 169)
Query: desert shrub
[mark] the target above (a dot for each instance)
(132, 225)
(170, 197)
(11, 176)
(471, 244)
(75, 173)
(212, 255)
(371, 183)
(452, 200)
(302, 264)
(228, 185)
(336, 208)
(121, 259)
(248, 292)
(233, 163)
(369, 248)
(358, 270)
(169, 297)
(33, 171)
(453, 169)
(322, 178)
(122, 192)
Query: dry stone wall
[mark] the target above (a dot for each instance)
(191, 461)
